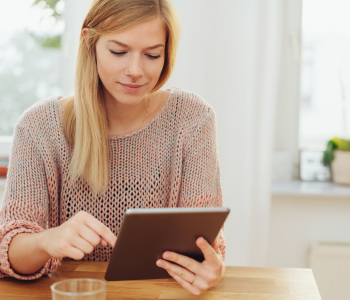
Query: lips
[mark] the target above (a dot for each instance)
(132, 88)
(131, 85)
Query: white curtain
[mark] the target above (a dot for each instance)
(74, 14)
(230, 54)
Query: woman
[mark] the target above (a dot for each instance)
(119, 142)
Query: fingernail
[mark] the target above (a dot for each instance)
(159, 263)
(166, 255)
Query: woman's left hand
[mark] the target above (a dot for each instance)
(194, 276)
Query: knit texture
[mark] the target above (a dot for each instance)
(171, 162)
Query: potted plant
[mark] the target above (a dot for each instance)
(337, 157)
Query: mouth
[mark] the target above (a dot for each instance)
(131, 87)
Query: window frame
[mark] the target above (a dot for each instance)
(286, 143)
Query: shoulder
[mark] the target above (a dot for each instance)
(192, 107)
(41, 116)
(40, 110)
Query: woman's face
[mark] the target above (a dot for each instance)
(129, 62)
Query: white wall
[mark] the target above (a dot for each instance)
(298, 221)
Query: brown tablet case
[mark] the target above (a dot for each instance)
(146, 234)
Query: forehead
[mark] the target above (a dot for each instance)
(143, 34)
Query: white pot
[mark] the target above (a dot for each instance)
(341, 167)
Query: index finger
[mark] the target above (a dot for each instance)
(208, 251)
(101, 229)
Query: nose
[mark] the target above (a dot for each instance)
(134, 67)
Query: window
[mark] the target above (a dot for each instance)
(325, 72)
(30, 57)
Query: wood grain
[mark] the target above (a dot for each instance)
(239, 283)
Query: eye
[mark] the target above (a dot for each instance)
(153, 56)
(117, 53)
(123, 52)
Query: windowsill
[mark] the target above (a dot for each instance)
(304, 188)
(5, 145)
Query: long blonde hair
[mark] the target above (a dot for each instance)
(84, 117)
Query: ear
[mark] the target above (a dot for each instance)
(86, 32)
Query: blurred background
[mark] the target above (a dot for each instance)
(276, 72)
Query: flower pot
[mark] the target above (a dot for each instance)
(3, 166)
(341, 167)
(3, 171)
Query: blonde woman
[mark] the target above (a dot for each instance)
(118, 142)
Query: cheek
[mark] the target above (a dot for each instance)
(106, 70)
(155, 69)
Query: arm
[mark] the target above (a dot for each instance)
(24, 213)
(200, 181)
(200, 187)
(20, 245)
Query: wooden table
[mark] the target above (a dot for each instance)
(238, 283)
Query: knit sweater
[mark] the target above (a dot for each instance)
(170, 162)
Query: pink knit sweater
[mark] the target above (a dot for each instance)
(171, 162)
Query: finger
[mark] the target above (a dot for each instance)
(74, 253)
(82, 245)
(185, 284)
(182, 272)
(208, 251)
(185, 261)
(89, 235)
(201, 283)
(103, 242)
(216, 246)
(100, 229)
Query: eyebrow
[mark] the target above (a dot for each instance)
(124, 45)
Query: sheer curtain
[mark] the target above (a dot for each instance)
(229, 54)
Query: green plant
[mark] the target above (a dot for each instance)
(50, 4)
(333, 144)
(49, 41)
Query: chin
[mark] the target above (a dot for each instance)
(127, 98)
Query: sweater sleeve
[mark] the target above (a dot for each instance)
(200, 181)
(25, 203)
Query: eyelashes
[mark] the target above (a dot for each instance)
(148, 55)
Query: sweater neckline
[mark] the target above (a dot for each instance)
(154, 119)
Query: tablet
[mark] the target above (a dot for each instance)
(145, 234)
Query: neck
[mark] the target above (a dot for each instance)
(123, 118)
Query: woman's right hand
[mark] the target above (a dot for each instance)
(76, 237)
